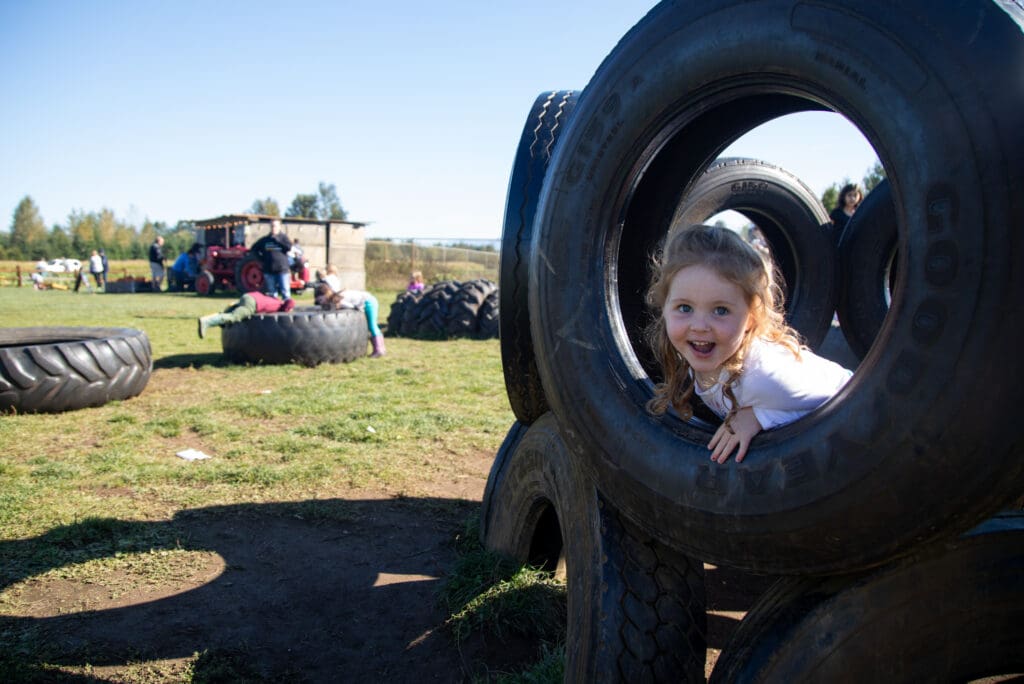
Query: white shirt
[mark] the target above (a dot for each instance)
(779, 387)
(350, 299)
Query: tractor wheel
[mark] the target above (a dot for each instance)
(249, 274)
(950, 613)
(544, 124)
(49, 370)
(308, 337)
(923, 442)
(205, 283)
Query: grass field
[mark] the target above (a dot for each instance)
(402, 426)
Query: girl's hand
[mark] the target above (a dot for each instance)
(736, 433)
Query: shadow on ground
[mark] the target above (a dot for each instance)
(309, 591)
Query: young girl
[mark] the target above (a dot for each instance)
(415, 282)
(721, 335)
(331, 294)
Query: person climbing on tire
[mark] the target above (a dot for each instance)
(720, 334)
(247, 306)
(272, 249)
(331, 294)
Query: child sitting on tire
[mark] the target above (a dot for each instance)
(247, 306)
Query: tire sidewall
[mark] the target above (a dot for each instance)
(789, 506)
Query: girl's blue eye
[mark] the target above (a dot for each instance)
(721, 311)
(684, 308)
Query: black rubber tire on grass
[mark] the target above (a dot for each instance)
(464, 308)
(794, 223)
(489, 317)
(307, 336)
(923, 443)
(396, 316)
(867, 257)
(54, 369)
(547, 119)
(430, 320)
(636, 609)
(950, 613)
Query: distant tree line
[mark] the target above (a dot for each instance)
(28, 238)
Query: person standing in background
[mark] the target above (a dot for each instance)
(272, 249)
(849, 199)
(156, 263)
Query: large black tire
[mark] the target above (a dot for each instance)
(396, 316)
(49, 370)
(544, 125)
(867, 258)
(794, 223)
(308, 337)
(924, 441)
(489, 317)
(463, 312)
(953, 613)
(431, 317)
(636, 609)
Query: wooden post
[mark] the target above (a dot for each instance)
(17, 270)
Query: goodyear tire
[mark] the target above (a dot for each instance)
(923, 443)
(635, 607)
(49, 370)
(544, 125)
(953, 613)
(867, 257)
(794, 223)
(307, 337)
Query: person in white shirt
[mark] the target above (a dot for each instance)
(331, 294)
(720, 334)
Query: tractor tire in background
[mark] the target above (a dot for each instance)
(489, 317)
(867, 258)
(464, 308)
(306, 336)
(950, 613)
(396, 316)
(923, 443)
(544, 124)
(792, 220)
(55, 369)
(636, 609)
(205, 283)
(431, 318)
(249, 274)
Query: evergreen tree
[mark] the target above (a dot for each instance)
(28, 232)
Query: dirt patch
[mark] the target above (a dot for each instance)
(277, 592)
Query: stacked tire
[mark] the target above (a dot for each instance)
(447, 310)
(882, 483)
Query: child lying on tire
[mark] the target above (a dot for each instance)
(247, 306)
(720, 334)
(330, 294)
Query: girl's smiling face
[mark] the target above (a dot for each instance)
(706, 317)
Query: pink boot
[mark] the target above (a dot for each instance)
(378, 347)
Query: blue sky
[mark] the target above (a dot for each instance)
(192, 109)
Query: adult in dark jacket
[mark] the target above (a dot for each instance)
(156, 262)
(272, 249)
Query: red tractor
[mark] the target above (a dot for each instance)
(226, 263)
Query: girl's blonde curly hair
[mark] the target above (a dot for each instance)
(725, 252)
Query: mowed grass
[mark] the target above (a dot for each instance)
(400, 425)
